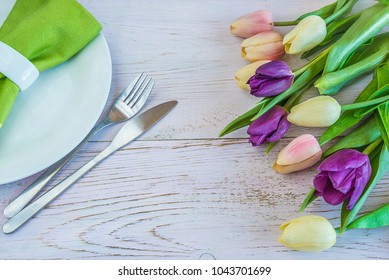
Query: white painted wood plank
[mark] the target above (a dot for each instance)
(179, 199)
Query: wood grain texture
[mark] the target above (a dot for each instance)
(179, 192)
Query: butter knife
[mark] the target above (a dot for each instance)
(129, 132)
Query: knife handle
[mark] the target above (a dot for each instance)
(23, 216)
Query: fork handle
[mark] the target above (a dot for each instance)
(28, 194)
(24, 215)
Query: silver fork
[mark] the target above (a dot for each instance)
(130, 101)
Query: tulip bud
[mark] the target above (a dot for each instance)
(308, 233)
(306, 35)
(303, 152)
(343, 175)
(251, 24)
(320, 111)
(265, 45)
(245, 73)
(270, 127)
(271, 79)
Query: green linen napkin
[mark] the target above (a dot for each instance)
(48, 33)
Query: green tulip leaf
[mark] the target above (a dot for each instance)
(332, 82)
(270, 147)
(382, 119)
(386, 2)
(340, 4)
(346, 121)
(374, 219)
(308, 199)
(243, 120)
(380, 165)
(349, 118)
(369, 24)
(365, 134)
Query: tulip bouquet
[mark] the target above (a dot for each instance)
(341, 46)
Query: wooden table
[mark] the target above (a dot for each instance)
(179, 191)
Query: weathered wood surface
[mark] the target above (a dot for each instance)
(179, 191)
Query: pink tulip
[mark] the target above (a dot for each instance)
(251, 24)
(301, 153)
(266, 45)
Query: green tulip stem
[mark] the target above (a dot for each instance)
(301, 70)
(345, 9)
(285, 23)
(365, 103)
(372, 146)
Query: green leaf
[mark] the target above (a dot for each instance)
(369, 24)
(331, 83)
(373, 45)
(362, 136)
(380, 165)
(374, 219)
(270, 146)
(382, 119)
(308, 199)
(242, 120)
(340, 4)
(348, 119)
(386, 2)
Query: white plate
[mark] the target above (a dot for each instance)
(50, 118)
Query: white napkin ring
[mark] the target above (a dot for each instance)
(16, 67)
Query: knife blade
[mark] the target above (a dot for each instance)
(129, 132)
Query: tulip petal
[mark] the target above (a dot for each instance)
(262, 38)
(344, 180)
(253, 23)
(257, 140)
(265, 45)
(270, 87)
(334, 197)
(320, 111)
(321, 182)
(244, 74)
(308, 233)
(285, 169)
(362, 177)
(343, 159)
(267, 125)
(300, 149)
(307, 34)
(275, 69)
(283, 127)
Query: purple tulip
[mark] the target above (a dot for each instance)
(269, 127)
(343, 175)
(271, 79)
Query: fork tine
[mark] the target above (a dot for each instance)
(144, 94)
(131, 89)
(140, 90)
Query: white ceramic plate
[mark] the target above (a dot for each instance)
(50, 118)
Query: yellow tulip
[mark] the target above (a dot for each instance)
(245, 73)
(308, 233)
(320, 111)
(303, 152)
(307, 34)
